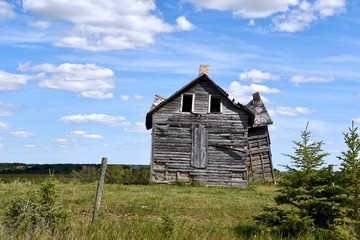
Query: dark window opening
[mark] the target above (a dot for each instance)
(187, 103)
(215, 104)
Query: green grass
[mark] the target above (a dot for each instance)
(151, 211)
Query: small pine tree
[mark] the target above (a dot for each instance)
(350, 176)
(308, 188)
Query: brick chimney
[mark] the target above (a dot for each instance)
(204, 69)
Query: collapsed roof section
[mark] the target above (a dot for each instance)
(262, 117)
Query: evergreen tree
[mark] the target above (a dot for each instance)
(350, 176)
(308, 188)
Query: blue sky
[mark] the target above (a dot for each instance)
(78, 77)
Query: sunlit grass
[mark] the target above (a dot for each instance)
(149, 211)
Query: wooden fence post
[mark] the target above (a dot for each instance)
(99, 188)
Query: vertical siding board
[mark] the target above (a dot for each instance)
(199, 146)
(195, 146)
(203, 146)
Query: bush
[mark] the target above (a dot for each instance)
(285, 223)
(86, 174)
(39, 209)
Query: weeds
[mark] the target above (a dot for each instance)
(38, 209)
(167, 225)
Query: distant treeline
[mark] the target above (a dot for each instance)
(122, 174)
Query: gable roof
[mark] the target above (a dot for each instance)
(201, 77)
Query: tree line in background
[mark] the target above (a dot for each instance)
(313, 199)
(114, 174)
(85, 173)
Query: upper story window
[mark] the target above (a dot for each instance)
(187, 102)
(215, 104)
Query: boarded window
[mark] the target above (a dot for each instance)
(187, 103)
(199, 146)
(215, 104)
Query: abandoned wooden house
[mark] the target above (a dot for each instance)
(199, 134)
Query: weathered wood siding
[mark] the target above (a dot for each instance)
(221, 142)
(259, 156)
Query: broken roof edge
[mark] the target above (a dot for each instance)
(262, 116)
(189, 85)
(157, 100)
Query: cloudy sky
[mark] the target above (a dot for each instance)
(78, 77)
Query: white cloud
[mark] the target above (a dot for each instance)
(108, 120)
(105, 25)
(257, 76)
(290, 111)
(4, 126)
(344, 58)
(6, 106)
(63, 142)
(124, 97)
(245, 8)
(21, 134)
(30, 145)
(1, 145)
(5, 114)
(89, 80)
(9, 81)
(6, 11)
(40, 24)
(314, 79)
(293, 21)
(243, 93)
(252, 23)
(82, 134)
(138, 127)
(306, 13)
(287, 15)
(327, 8)
(183, 24)
(273, 128)
(138, 97)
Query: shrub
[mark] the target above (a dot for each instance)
(285, 223)
(38, 209)
(86, 174)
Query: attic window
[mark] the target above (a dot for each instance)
(215, 104)
(187, 102)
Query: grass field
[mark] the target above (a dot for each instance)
(150, 211)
